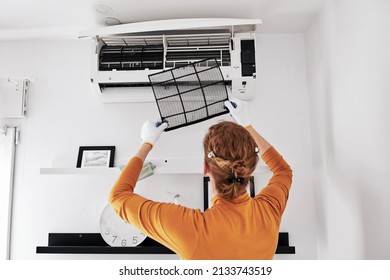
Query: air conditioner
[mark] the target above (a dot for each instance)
(123, 56)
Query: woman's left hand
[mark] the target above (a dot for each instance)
(150, 133)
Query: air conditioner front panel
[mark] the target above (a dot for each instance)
(241, 25)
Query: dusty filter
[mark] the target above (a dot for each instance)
(190, 94)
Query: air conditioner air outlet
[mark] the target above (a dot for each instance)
(138, 85)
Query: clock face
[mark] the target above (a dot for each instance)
(117, 232)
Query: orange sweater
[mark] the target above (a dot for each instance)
(245, 228)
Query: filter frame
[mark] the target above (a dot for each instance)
(190, 94)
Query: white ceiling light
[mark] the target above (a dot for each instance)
(103, 9)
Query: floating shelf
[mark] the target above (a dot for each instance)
(163, 166)
(97, 171)
(93, 243)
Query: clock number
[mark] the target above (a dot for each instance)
(107, 232)
(123, 243)
(135, 239)
(115, 237)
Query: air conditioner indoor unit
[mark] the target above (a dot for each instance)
(123, 56)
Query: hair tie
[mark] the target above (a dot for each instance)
(233, 179)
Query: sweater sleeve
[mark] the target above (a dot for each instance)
(172, 225)
(276, 193)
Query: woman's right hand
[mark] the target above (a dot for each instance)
(239, 111)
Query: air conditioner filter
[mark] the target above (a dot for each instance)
(190, 94)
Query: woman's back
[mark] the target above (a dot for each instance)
(243, 228)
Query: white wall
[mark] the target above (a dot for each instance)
(348, 75)
(64, 114)
(281, 114)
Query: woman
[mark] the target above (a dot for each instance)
(236, 226)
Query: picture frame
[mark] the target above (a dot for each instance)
(207, 192)
(95, 156)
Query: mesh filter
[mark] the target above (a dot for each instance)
(190, 94)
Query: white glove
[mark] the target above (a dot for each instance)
(150, 133)
(239, 111)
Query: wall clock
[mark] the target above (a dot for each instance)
(117, 232)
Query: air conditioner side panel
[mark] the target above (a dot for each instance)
(243, 87)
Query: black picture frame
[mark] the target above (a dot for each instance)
(207, 190)
(99, 156)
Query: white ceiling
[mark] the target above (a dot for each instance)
(21, 19)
